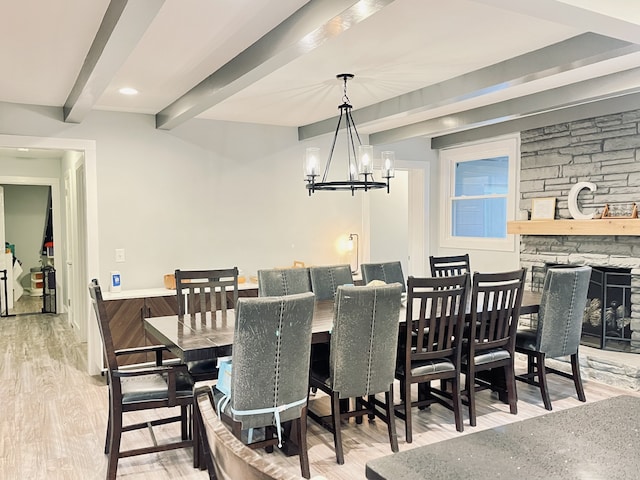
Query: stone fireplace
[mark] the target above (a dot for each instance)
(605, 151)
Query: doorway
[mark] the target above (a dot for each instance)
(28, 225)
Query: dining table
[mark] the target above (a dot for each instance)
(210, 336)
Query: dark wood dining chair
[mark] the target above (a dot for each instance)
(270, 369)
(283, 281)
(558, 330)
(325, 280)
(449, 266)
(490, 344)
(431, 346)
(140, 388)
(362, 358)
(202, 291)
(388, 272)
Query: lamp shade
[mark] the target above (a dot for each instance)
(388, 164)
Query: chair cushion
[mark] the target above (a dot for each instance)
(526, 339)
(153, 387)
(489, 356)
(431, 366)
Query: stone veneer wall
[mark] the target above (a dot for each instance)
(603, 150)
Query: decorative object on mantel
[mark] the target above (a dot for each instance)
(617, 212)
(356, 165)
(573, 200)
(543, 208)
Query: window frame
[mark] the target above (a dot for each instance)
(504, 147)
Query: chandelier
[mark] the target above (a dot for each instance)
(359, 164)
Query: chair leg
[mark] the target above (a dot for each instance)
(457, 403)
(542, 380)
(337, 433)
(302, 443)
(391, 420)
(358, 406)
(107, 439)
(577, 379)
(184, 422)
(372, 400)
(470, 390)
(512, 394)
(407, 411)
(114, 444)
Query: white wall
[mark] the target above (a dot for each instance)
(206, 195)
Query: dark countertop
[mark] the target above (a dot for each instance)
(595, 441)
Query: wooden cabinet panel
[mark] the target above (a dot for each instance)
(161, 306)
(127, 328)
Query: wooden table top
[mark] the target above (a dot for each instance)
(195, 338)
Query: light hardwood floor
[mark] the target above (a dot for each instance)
(53, 416)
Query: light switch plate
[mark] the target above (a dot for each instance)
(119, 255)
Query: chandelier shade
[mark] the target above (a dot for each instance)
(359, 158)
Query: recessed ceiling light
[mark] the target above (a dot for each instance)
(128, 91)
(22, 149)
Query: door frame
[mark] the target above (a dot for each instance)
(418, 204)
(88, 149)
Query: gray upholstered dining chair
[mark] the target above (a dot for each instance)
(224, 455)
(388, 272)
(137, 389)
(270, 369)
(559, 327)
(283, 281)
(494, 312)
(362, 358)
(449, 266)
(202, 291)
(431, 346)
(325, 280)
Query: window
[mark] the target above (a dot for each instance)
(479, 183)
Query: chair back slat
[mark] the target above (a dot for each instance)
(495, 309)
(434, 328)
(201, 291)
(449, 266)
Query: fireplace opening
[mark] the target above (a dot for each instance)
(607, 315)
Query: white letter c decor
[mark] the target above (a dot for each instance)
(573, 200)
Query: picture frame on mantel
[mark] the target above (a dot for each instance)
(543, 208)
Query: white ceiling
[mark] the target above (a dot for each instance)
(421, 67)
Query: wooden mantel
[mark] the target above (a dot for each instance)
(600, 227)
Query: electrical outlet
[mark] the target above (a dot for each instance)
(119, 255)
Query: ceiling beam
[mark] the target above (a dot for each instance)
(612, 85)
(605, 19)
(580, 51)
(608, 106)
(122, 26)
(305, 30)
